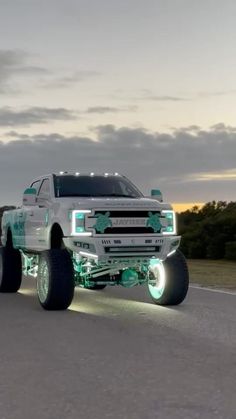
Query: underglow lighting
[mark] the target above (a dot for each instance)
(171, 253)
(91, 255)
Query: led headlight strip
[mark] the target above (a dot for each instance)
(171, 228)
(78, 223)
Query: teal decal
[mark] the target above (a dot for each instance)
(16, 222)
(19, 228)
(103, 222)
(154, 222)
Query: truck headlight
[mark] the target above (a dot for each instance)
(78, 223)
(170, 227)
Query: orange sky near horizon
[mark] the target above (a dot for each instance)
(183, 206)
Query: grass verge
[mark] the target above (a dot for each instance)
(213, 273)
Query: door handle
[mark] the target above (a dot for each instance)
(31, 213)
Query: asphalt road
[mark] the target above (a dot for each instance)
(115, 355)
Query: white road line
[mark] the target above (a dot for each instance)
(198, 287)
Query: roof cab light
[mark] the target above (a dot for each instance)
(170, 228)
(78, 223)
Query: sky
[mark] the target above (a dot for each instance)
(144, 88)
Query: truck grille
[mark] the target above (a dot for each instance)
(124, 222)
(128, 230)
(127, 214)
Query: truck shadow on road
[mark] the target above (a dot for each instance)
(113, 302)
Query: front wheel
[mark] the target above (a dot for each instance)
(169, 280)
(55, 280)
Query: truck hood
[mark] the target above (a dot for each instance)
(92, 203)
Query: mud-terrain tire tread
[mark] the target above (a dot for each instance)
(61, 279)
(177, 280)
(10, 270)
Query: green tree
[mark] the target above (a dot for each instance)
(206, 230)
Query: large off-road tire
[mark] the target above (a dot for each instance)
(55, 280)
(172, 280)
(10, 269)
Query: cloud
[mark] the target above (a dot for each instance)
(216, 93)
(183, 165)
(71, 79)
(13, 118)
(13, 64)
(110, 109)
(222, 128)
(148, 95)
(223, 175)
(164, 98)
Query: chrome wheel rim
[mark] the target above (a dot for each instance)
(43, 282)
(157, 280)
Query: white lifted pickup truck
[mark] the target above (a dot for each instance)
(92, 231)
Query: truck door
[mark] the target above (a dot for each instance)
(38, 218)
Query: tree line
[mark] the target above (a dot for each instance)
(207, 232)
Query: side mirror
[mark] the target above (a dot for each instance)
(156, 194)
(29, 197)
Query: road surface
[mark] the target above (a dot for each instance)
(115, 355)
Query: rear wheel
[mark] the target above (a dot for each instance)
(169, 280)
(55, 280)
(10, 269)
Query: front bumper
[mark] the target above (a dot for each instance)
(107, 249)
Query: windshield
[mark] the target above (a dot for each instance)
(94, 186)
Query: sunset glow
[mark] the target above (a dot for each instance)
(184, 206)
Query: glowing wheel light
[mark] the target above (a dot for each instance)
(158, 279)
(43, 283)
